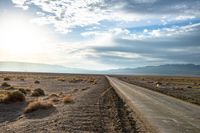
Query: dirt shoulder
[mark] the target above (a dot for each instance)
(95, 107)
(185, 88)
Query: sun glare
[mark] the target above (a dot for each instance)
(20, 37)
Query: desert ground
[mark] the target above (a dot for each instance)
(62, 103)
(184, 88)
(41, 102)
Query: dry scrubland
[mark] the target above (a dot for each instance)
(31, 102)
(36, 102)
(185, 88)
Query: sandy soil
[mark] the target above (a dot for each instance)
(185, 88)
(96, 107)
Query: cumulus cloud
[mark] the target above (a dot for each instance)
(178, 44)
(185, 17)
(121, 33)
(68, 14)
(21, 4)
(159, 33)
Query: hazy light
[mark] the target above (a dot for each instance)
(19, 37)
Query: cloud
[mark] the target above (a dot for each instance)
(167, 45)
(21, 4)
(68, 14)
(159, 33)
(121, 33)
(185, 17)
(156, 6)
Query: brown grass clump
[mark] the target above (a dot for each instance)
(15, 96)
(55, 100)
(92, 80)
(5, 84)
(189, 86)
(2, 95)
(75, 80)
(6, 79)
(22, 91)
(37, 82)
(53, 95)
(10, 88)
(38, 104)
(38, 92)
(22, 79)
(60, 94)
(68, 99)
(83, 89)
(61, 79)
(28, 90)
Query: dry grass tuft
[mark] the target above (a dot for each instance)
(68, 99)
(28, 90)
(6, 79)
(5, 84)
(61, 79)
(38, 104)
(83, 89)
(37, 82)
(60, 94)
(22, 79)
(38, 92)
(75, 80)
(10, 88)
(10, 97)
(2, 95)
(92, 80)
(53, 95)
(22, 91)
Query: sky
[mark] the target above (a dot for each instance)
(100, 34)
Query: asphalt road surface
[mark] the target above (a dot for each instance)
(160, 113)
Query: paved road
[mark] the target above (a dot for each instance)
(162, 113)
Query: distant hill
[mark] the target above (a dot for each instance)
(36, 67)
(168, 69)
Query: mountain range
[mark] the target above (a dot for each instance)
(167, 69)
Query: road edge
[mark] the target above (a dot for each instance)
(144, 124)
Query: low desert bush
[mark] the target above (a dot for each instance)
(22, 91)
(53, 95)
(22, 79)
(68, 99)
(75, 80)
(83, 89)
(10, 88)
(15, 96)
(2, 95)
(55, 100)
(37, 82)
(38, 92)
(28, 90)
(38, 104)
(189, 86)
(6, 79)
(61, 79)
(5, 84)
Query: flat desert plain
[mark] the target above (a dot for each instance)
(62, 103)
(42, 102)
(184, 88)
